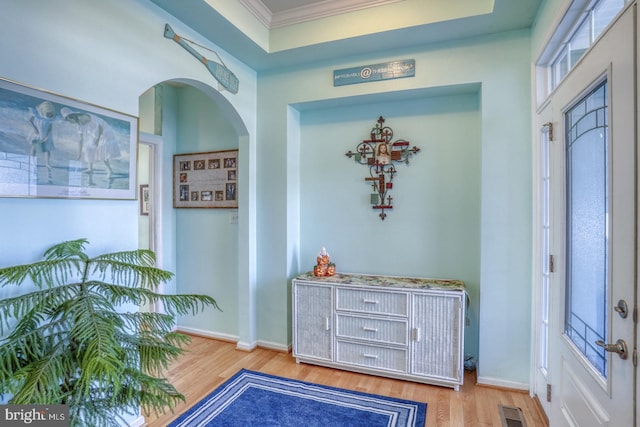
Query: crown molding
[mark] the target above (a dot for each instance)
(259, 10)
(310, 12)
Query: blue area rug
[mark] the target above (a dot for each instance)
(256, 399)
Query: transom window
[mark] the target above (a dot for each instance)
(579, 29)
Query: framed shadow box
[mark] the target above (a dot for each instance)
(205, 180)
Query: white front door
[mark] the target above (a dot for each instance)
(592, 220)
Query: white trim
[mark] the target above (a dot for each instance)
(138, 422)
(565, 22)
(497, 382)
(155, 216)
(240, 345)
(274, 346)
(250, 346)
(246, 346)
(259, 10)
(317, 10)
(150, 138)
(322, 9)
(207, 334)
(536, 261)
(155, 182)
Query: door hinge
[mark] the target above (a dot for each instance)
(548, 128)
(552, 264)
(548, 392)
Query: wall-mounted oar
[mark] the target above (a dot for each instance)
(220, 72)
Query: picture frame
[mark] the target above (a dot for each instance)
(145, 200)
(205, 180)
(56, 146)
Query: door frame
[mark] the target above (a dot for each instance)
(537, 261)
(541, 125)
(154, 142)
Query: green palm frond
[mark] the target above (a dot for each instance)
(141, 323)
(42, 274)
(133, 275)
(141, 257)
(41, 301)
(68, 249)
(70, 342)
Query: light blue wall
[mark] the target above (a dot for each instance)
(434, 227)
(109, 54)
(498, 68)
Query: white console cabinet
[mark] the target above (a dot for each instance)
(407, 328)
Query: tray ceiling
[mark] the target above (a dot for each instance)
(268, 34)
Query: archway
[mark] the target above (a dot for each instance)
(191, 240)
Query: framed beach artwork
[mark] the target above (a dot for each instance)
(55, 146)
(205, 180)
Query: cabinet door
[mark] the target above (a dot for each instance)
(437, 335)
(312, 321)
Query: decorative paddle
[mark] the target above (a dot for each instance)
(220, 72)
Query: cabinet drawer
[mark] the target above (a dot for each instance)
(371, 356)
(380, 330)
(376, 302)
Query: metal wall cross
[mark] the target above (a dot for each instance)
(381, 155)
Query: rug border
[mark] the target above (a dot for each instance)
(421, 407)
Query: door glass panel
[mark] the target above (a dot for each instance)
(587, 228)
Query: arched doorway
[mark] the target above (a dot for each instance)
(209, 250)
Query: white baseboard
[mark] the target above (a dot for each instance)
(497, 382)
(207, 334)
(138, 422)
(246, 346)
(274, 346)
(250, 346)
(241, 345)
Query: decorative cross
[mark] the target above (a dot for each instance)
(380, 154)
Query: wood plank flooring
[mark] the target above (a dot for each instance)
(208, 363)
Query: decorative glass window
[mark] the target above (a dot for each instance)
(587, 213)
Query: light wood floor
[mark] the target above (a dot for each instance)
(208, 363)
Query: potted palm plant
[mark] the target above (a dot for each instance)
(78, 339)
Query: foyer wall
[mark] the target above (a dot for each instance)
(109, 54)
(433, 229)
(498, 67)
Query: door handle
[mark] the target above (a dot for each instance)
(619, 347)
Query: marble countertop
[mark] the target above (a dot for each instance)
(388, 281)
